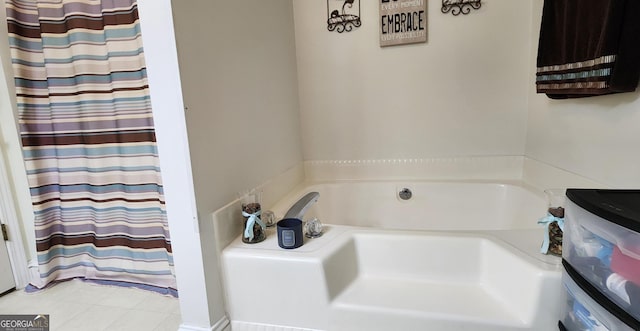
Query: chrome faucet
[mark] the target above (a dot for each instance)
(300, 207)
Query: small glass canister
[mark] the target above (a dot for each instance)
(254, 230)
(553, 222)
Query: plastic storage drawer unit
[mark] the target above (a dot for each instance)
(581, 312)
(602, 244)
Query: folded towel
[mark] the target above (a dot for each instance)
(627, 266)
(588, 48)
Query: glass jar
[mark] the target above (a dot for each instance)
(254, 230)
(554, 222)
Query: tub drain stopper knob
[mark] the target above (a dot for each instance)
(313, 228)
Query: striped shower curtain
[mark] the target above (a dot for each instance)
(88, 142)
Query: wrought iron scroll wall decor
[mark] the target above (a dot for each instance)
(460, 6)
(342, 16)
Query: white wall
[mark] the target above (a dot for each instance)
(239, 84)
(594, 137)
(10, 146)
(462, 93)
(238, 68)
(199, 290)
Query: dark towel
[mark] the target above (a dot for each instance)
(588, 48)
(633, 290)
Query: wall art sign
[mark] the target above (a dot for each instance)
(343, 15)
(460, 6)
(403, 22)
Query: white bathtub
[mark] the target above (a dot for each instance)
(433, 205)
(454, 256)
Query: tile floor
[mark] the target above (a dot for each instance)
(77, 305)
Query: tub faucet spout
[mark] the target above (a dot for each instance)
(300, 207)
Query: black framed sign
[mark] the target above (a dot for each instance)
(403, 22)
(343, 15)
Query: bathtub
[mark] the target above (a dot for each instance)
(455, 256)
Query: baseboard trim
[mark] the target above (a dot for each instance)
(247, 326)
(221, 325)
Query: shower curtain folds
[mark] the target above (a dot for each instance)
(89, 142)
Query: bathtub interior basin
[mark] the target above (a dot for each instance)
(443, 282)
